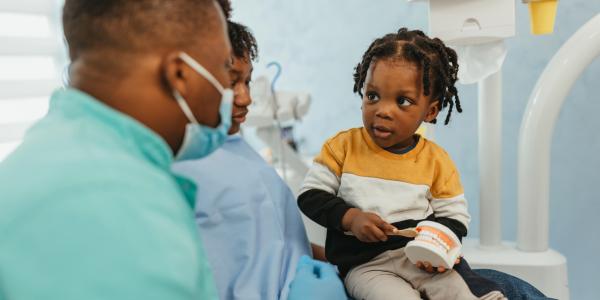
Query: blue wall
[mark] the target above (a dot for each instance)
(319, 43)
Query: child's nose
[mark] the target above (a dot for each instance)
(384, 111)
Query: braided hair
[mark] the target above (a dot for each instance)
(243, 43)
(242, 40)
(438, 64)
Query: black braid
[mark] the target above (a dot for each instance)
(374, 51)
(439, 65)
(243, 43)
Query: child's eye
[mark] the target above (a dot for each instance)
(402, 101)
(372, 97)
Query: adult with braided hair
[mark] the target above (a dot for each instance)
(247, 216)
(373, 180)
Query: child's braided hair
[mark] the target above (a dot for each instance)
(438, 64)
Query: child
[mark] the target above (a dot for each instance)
(372, 180)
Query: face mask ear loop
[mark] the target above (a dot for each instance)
(184, 107)
(200, 69)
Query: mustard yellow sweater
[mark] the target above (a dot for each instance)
(403, 189)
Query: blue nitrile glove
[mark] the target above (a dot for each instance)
(316, 280)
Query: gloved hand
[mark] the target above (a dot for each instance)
(316, 280)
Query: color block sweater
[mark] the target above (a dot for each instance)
(403, 189)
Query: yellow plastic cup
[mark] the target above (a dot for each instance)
(542, 14)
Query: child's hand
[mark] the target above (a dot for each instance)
(367, 227)
(429, 268)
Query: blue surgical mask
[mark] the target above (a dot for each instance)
(200, 140)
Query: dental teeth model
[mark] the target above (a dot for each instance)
(434, 243)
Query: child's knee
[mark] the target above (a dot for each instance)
(379, 285)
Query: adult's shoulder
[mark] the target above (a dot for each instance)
(105, 229)
(79, 176)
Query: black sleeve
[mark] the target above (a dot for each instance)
(457, 227)
(324, 208)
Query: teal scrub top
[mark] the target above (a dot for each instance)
(89, 209)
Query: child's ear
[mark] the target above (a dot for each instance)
(432, 111)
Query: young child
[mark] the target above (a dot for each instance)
(372, 180)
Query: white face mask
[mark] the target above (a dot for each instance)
(200, 140)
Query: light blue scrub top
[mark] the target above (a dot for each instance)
(90, 210)
(249, 222)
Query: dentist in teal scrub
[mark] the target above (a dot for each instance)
(89, 208)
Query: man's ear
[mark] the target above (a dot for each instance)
(432, 111)
(175, 73)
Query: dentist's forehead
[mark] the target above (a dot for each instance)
(138, 26)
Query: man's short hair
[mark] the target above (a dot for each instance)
(135, 26)
(226, 6)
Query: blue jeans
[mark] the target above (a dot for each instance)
(514, 288)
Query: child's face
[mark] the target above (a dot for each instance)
(394, 105)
